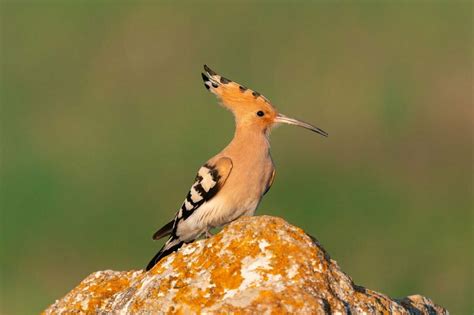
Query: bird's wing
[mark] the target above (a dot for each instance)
(210, 178)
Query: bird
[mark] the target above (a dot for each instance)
(232, 183)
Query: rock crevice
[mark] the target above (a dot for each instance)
(254, 265)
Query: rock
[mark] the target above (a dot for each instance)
(255, 265)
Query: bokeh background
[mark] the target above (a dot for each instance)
(105, 120)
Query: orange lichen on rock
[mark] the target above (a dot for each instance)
(254, 265)
(94, 292)
(102, 291)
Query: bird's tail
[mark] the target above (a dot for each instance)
(173, 244)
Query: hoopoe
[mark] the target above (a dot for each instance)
(232, 183)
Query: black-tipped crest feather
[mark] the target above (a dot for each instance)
(209, 70)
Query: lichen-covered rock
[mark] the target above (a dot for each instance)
(255, 265)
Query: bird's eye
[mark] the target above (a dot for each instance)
(260, 113)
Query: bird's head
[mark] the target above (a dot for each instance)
(250, 108)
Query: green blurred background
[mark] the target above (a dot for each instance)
(105, 120)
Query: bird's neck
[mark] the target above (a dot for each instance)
(249, 140)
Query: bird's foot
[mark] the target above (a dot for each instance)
(208, 234)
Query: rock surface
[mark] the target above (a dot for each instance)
(255, 265)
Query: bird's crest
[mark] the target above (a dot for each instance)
(230, 93)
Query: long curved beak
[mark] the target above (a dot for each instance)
(280, 118)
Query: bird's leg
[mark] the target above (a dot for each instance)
(208, 234)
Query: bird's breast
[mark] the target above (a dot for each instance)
(248, 181)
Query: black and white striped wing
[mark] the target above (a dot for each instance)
(209, 180)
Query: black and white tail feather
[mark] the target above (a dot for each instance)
(208, 182)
